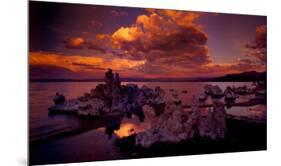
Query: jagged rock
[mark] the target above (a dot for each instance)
(214, 91)
(69, 106)
(131, 91)
(117, 81)
(243, 90)
(113, 97)
(175, 99)
(147, 92)
(59, 98)
(82, 98)
(230, 94)
(113, 125)
(137, 110)
(158, 103)
(202, 97)
(94, 107)
(109, 77)
(212, 123)
(176, 125)
(168, 128)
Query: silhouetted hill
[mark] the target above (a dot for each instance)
(245, 76)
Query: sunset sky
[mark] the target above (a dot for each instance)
(81, 41)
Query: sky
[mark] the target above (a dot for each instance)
(76, 41)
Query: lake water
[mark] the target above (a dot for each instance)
(94, 144)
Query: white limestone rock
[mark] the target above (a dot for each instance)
(176, 125)
(93, 107)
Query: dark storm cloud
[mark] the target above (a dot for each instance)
(258, 47)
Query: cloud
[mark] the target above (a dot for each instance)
(181, 18)
(258, 47)
(206, 70)
(159, 38)
(172, 43)
(81, 63)
(93, 45)
(81, 43)
(237, 66)
(164, 39)
(74, 42)
(165, 43)
(101, 42)
(96, 24)
(246, 65)
(118, 13)
(88, 66)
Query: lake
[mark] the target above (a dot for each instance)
(95, 145)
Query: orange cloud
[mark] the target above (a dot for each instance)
(132, 68)
(74, 42)
(125, 34)
(78, 63)
(102, 36)
(184, 19)
(100, 41)
(170, 33)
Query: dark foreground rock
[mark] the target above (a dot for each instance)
(240, 136)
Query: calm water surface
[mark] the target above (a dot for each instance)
(94, 144)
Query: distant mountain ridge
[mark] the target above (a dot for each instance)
(244, 76)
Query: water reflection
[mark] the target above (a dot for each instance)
(126, 129)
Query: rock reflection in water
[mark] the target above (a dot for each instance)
(132, 125)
